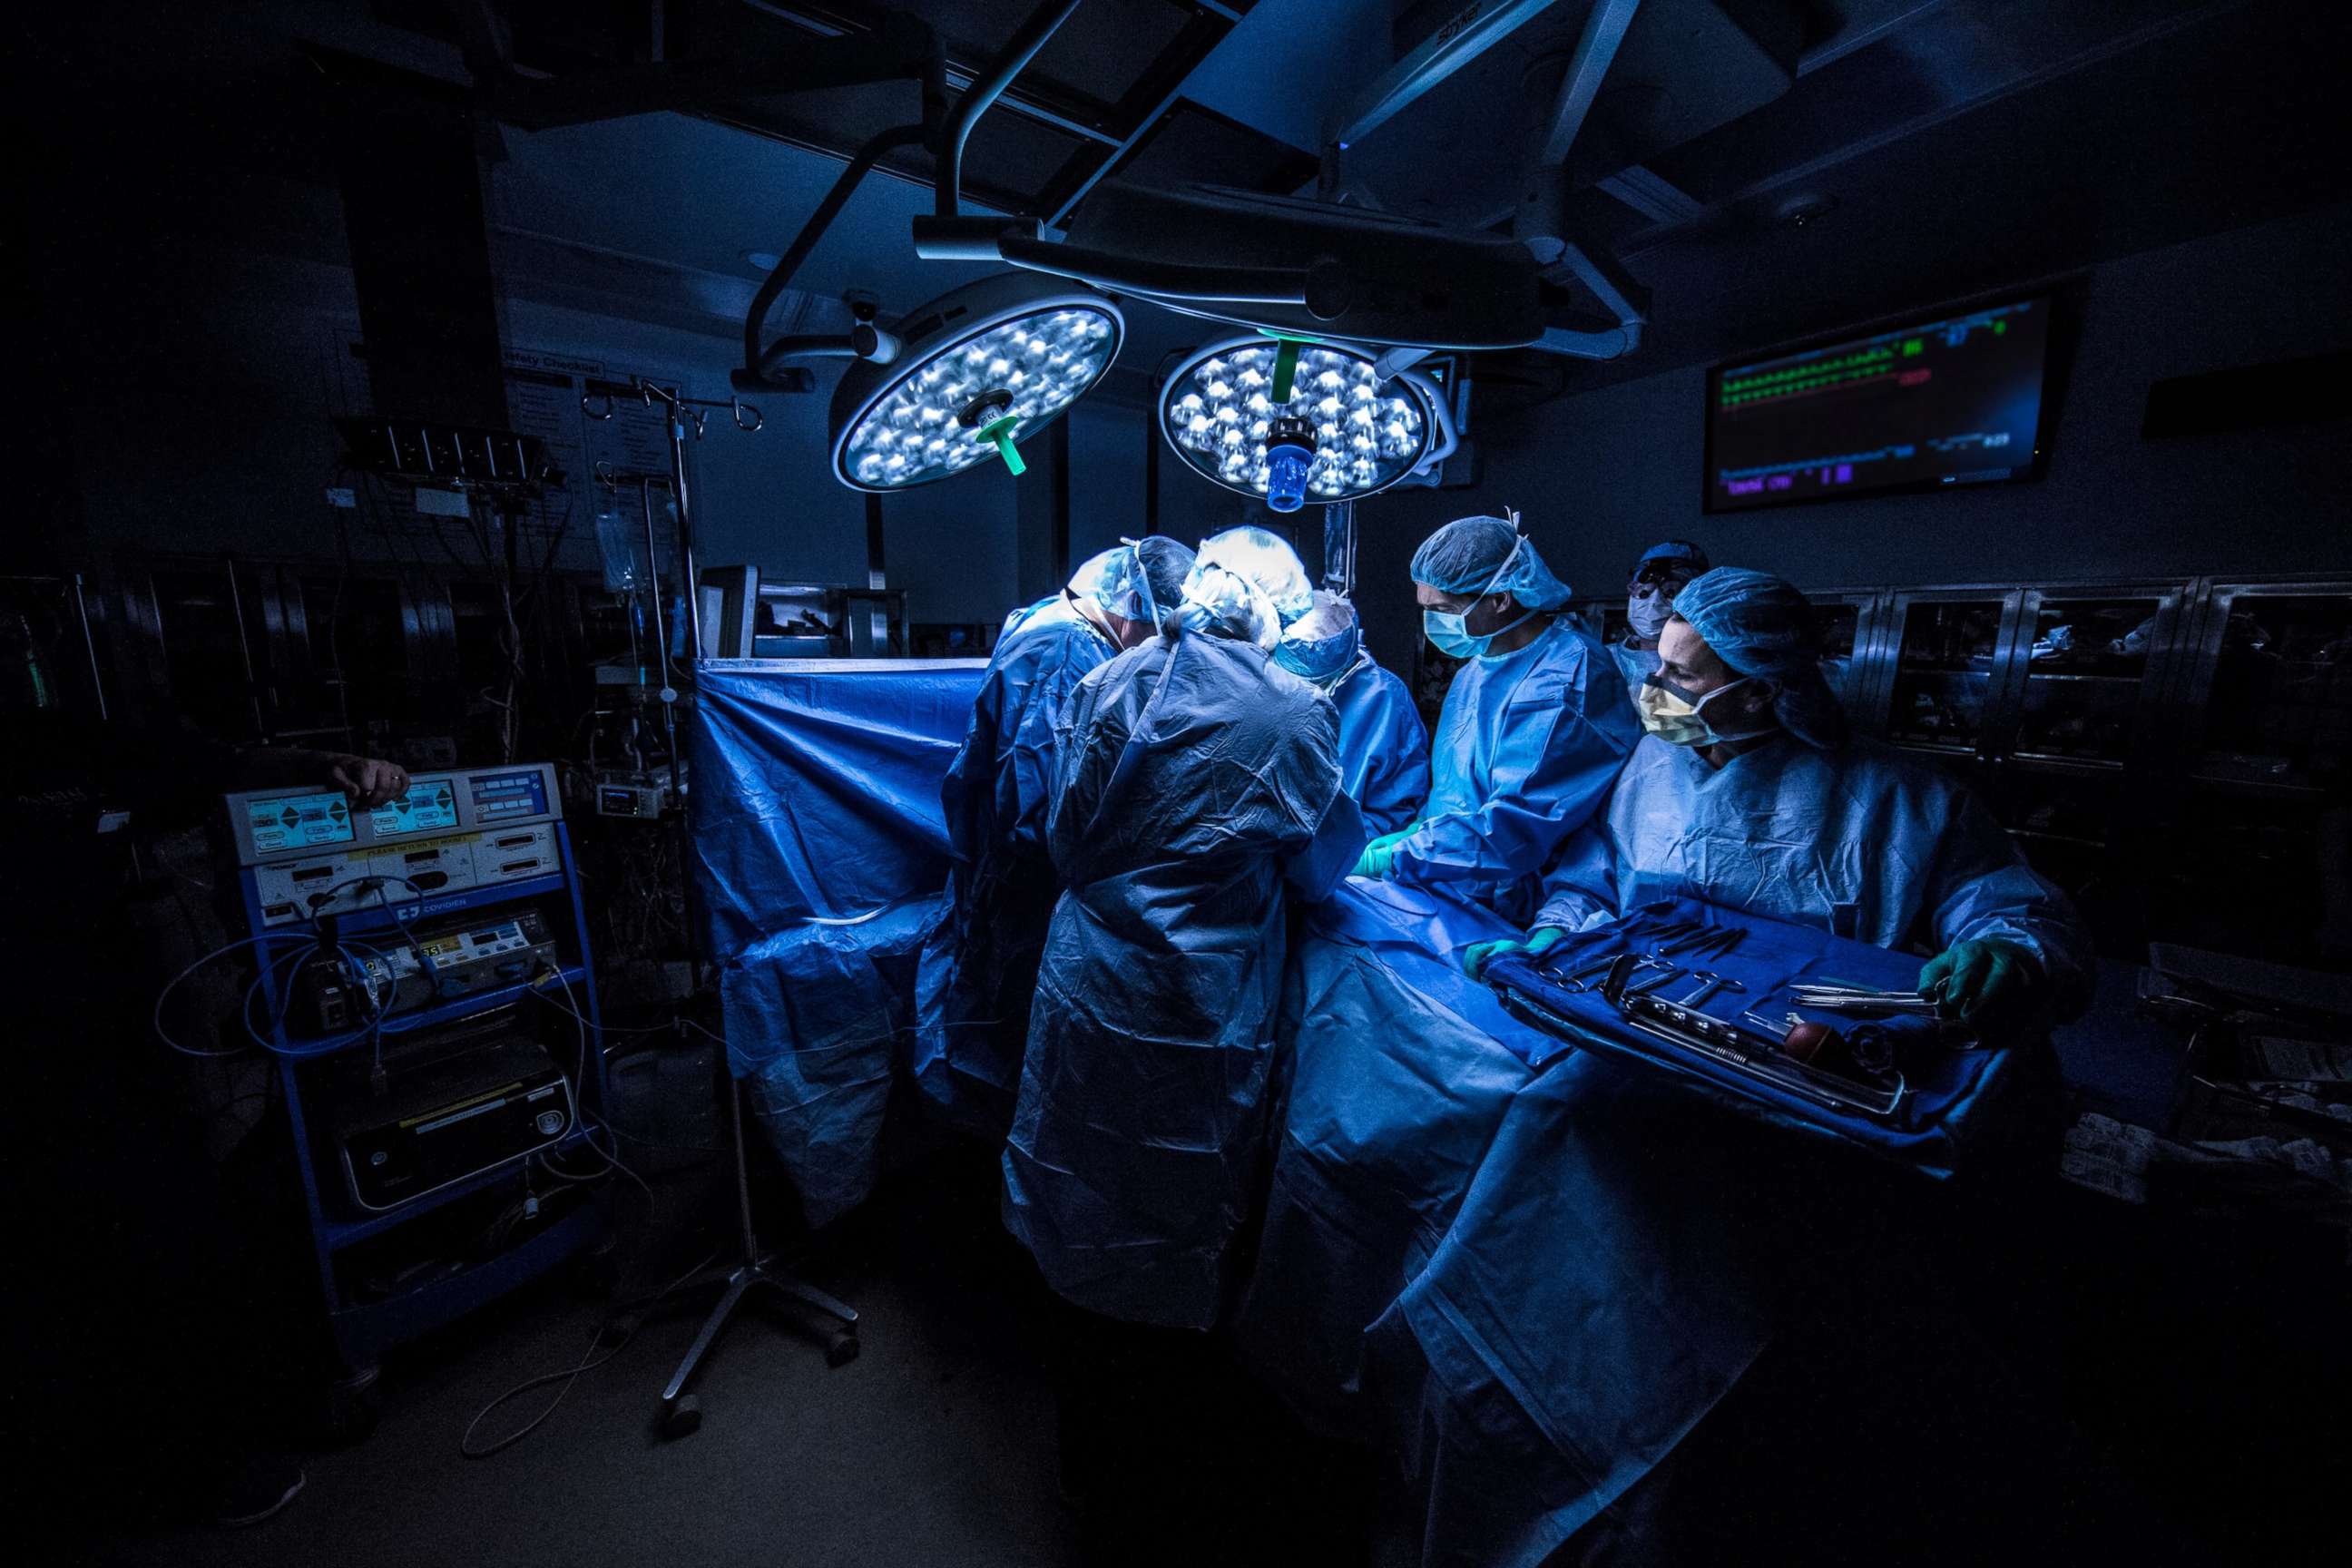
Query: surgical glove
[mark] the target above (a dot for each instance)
(1381, 854)
(1994, 987)
(1539, 941)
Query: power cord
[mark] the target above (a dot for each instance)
(607, 1121)
(589, 1126)
(156, 1019)
(613, 1337)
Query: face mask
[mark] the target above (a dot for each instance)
(1678, 721)
(1647, 613)
(1445, 628)
(1449, 629)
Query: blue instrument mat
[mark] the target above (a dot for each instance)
(1946, 1091)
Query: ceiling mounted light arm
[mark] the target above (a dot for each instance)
(1320, 288)
(1543, 223)
(763, 362)
(1589, 262)
(949, 234)
(1042, 25)
(760, 357)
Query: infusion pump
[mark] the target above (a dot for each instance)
(313, 853)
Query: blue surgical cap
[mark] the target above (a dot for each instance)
(1088, 581)
(1141, 581)
(1681, 551)
(1760, 625)
(1321, 645)
(1463, 556)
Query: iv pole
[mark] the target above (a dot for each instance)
(754, 1266)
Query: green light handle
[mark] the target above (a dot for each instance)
(1000, 431)
(1286, 369)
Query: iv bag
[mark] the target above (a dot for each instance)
(621, 541)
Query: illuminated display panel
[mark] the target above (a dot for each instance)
(429, 806)
(500, 797)
(1952, 402)
(298, 821)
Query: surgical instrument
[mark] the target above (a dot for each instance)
(1758, 1057)
(1714, 941)
(1581, 979)
(1708, 986)
(1700, 938)
(1830, 1000)
(1666, 971)
(1732, 937)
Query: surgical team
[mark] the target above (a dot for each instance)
(1167, 755)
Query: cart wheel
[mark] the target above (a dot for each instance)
(350, 1406)
(841, 1347)
(682, 1416)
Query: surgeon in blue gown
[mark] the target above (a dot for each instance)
(1664, 569)
(1763, 1311)
(1750, 793)
(1533, 731)
(1198, 791)
(1198, 787)
(979, 965)
(1383, 749)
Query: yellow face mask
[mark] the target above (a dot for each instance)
(1667, 715)
(1678, 721)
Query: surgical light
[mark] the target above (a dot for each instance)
(979, 369)
(1344, 432)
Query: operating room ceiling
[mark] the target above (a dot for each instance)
(1877, 155)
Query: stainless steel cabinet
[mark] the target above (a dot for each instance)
(2258, 809)
(1846, 624)
(2168, 751)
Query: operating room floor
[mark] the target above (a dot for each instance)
(935, 1446)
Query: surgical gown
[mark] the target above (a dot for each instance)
(1196, 779)
(1859, 841)
(1636, 664)
(979, 965)
(1528, 745)
(1383, 749)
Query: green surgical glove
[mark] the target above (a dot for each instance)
(1994, 987)
(1381, 854)
(1539, 941)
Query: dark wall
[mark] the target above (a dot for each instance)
(1601, 476)
(199, 422)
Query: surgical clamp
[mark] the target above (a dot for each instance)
(1666, 971)
(1709, 984)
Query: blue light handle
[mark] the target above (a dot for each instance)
(1287, 466)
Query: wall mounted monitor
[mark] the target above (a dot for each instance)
(1954, 401)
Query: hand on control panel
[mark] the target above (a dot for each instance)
(369, 781)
